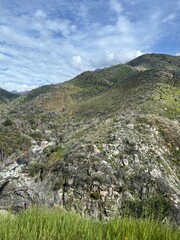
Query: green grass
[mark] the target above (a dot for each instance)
(56, 224)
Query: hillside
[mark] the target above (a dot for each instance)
(103, 144)
(83, 87)
(5, 96)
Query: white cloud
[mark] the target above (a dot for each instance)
(177, 54)
(83, 13)
(116, 6)
(115, 57)
(77, 61)
(3, 57)
(39, 14)
(169, 18)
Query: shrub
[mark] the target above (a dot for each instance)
(155, 207)
(35, 168)
(8, 122)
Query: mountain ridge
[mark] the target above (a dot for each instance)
(93, 83)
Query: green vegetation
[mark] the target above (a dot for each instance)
(105, 77)
(36, 92)
(95, 195)
(55, 153)
(39, 224)
(8, 122)
(12, 139)
(155, 207)
(36, 168)
(36, 135)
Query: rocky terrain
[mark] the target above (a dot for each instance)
(103, 144)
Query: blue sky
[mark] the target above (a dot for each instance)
(50, 41)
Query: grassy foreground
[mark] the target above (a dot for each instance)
(56, 225)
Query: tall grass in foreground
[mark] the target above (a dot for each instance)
(56, 224)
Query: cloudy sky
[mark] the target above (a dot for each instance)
(50, 41)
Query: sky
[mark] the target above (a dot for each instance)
(50, 41)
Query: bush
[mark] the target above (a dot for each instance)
(155, 207)
(35, 168)
(95, 195)
(36, 135)
(8, 122)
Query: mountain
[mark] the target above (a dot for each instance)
(19, 93)
(105, 143)
(6, 96)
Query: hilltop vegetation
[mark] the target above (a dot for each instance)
(156, 61)
(97, 143)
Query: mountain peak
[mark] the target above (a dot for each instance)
(158, 61)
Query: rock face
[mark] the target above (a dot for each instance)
(100, 179)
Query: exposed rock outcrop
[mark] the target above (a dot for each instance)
(134, 164)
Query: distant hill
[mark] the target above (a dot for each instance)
(19, 93)
(6, 96)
